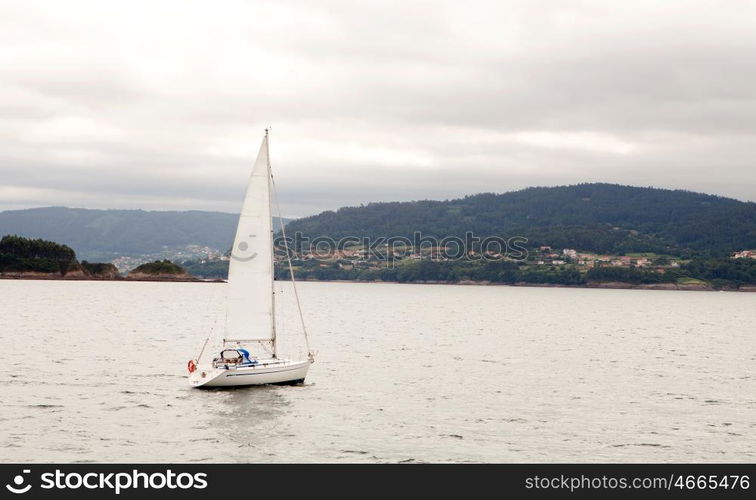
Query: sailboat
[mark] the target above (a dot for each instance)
(249, 353)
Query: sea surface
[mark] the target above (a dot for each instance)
(96, 372)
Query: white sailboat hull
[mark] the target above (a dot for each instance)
(272, 371)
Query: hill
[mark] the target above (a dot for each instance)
(25, 258)
(605, 218)
(105, 234)
(40, 259)
(159, 267)
(24, 255)
(100, 270)
(164, 270)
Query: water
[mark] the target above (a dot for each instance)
(95, 371)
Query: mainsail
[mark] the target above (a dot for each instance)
(249, 309)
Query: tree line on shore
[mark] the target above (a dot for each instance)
(19, 255)
(716, 272)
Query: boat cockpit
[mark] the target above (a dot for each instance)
(234, 357)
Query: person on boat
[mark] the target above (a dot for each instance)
(246, 359)
(238, 357)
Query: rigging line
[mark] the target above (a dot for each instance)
(310, 355)
(202, 351)
(213, 324)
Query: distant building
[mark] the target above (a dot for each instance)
(569, 252)
(745, 254)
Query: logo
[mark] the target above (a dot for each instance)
(18, 481)
(242, 248)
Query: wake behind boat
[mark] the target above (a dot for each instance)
(250, 323)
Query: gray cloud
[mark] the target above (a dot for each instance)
(161, 104)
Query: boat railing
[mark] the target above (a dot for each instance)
(221, 363)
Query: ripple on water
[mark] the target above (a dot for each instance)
(500, 374)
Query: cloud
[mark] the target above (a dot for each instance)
(161, 104)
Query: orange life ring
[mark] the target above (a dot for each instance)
(191, 366)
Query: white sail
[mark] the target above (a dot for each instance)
(249, 310)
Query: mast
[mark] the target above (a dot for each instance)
(272, 252)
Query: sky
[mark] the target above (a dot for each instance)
(161, 105)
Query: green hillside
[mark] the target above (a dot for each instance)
(159, 267)
(19, 254)
(104, 234)
(593, 217)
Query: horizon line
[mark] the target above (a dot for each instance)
(461, 197)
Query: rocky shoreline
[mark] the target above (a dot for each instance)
(81, 276)
(608, 285)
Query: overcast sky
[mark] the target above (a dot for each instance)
(162, 104)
